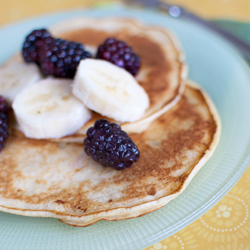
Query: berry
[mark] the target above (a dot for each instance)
(60, 58)
(107, 144)
(32, 44)
(120, 54)
(4, 109)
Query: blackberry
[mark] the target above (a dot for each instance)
(32, 44)
(4, 109)
(107, 144)
(60, 58)
(120, 54)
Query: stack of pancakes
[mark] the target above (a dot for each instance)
(177, 135)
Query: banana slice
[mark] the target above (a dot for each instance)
(15, 76)
(109, 90)
(47, 109)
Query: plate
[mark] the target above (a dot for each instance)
(221, 71)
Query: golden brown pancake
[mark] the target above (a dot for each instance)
(50, 179)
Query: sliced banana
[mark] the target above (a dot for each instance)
(48, 109)
(15, 76)
(110, 90)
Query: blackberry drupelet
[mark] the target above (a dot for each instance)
(60, 58)
(4, 109)
(32, 44)
(107, 144)
(120, 54)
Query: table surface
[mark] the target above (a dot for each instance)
(226, 225)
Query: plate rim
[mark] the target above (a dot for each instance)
(230, 184)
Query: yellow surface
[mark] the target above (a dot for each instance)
(226, 226)
(14, 10)
(235, 9)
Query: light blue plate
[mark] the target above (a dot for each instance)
(226, 78)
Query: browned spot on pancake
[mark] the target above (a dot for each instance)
(39, 181)
(152, 191)
(151, 54)
(60, 201)
(83, 209)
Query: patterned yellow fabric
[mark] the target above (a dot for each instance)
(226, 226)
(15, 10)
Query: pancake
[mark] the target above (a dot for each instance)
(50, 179)
(163, 69)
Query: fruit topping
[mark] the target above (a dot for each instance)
(33, 43)
(120, 54)
(48, 109)
(107, 144)
(60, 58)
(109, 90)
(15, 76)
(4, 109)
(56, 57)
